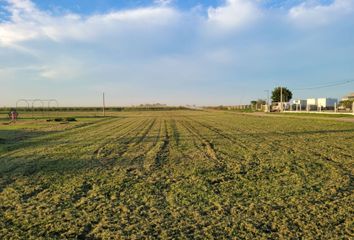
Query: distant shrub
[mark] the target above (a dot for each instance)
(70, 119)
(67, 119)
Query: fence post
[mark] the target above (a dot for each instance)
(335, 107)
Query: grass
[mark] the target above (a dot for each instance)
(316, 115)
(176, 175)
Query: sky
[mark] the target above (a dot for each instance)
(177, 52)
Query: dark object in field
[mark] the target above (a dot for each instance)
(70, 119)
(2, 141)
(67, 119)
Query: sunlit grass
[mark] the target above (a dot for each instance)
(177, 174)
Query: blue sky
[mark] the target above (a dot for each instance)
(176, 52)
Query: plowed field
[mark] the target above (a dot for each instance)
(177, 175)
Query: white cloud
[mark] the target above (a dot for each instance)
(28, 22)
(17, 7)
(163, 2)
(144, 53)
(60, 71)
(222, 56)
(310, 14)
(234, 14)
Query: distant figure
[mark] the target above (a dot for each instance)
(13, 115)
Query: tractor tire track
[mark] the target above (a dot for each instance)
(192, 138)
(145, 133)
(150, 155)
(205, 147)
(110, 147)
(143, 155)
(126, 127)
(221, 133)
(175, 133)
(163, 153)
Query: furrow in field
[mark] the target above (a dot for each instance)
(240, 144)
(175, 132)
(286, 145)
(145, 133)
(216, 130)
(61, 140)
(205, 145)
(228, 131)
(163, 154)
(150, 155)
(97, 141)
(115, 134)
(158, 153)
(120, 145)
(231, 157)
(310, 151)
(189, 144)
(70, 148)
(136, 154)
(182, 141)
(262, 134)
(99, 135)
(84, 128)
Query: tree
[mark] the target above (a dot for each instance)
(258, 102)
(287, 94)
(346, 103)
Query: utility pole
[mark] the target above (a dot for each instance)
(104, 105)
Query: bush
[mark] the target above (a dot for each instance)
(67, 119)
(70, 119)
(346, 104)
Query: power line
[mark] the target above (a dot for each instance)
(333, 84)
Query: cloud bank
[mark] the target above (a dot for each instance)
(163, 53)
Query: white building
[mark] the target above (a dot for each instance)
(327, 102)
(311, 101)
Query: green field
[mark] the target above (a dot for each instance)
(177, 175)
